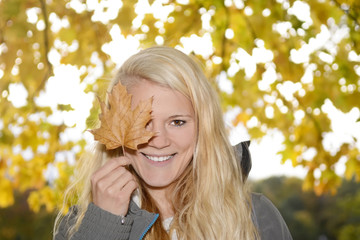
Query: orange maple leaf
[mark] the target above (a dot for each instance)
(120, 125)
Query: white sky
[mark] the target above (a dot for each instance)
(65, 86)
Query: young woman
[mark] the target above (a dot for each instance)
(185, 183)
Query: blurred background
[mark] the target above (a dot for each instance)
(287, 72)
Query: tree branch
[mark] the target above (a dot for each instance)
(313, 119)
(224, 39)
(347, 12)
(49, 70)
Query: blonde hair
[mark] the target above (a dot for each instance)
(210, 199)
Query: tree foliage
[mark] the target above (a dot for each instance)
(284, 70)
(20, 222)
(309, 216)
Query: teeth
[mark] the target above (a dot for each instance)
(159, 159)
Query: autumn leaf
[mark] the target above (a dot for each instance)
(6, 196)
(120, 125)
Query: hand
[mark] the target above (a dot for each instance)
(112, 186)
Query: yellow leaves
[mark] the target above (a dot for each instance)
(353, 165)
(311, 138)
(51, 197)
(28, 174)
(186, 21)
(64, 172)
(242, 117)
(309, 180)
(125, 17)
(256, 132)
(6, 187)
(68, 35)
(290, 154)
(34, 201)
(329, 182)
(6, 192)
(65, 107)
(348, 2)
(121, 126)
(44, 196)
(22, 48)
(322, 177)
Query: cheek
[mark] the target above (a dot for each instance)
(187, 143)
(134, 158)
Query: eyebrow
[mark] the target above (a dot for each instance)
(180, 115)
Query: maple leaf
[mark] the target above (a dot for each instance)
(120, 125)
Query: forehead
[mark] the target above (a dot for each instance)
(164, 98)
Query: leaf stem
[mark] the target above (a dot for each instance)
(123, 149)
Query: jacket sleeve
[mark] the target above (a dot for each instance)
(268, 219)
(97, 224)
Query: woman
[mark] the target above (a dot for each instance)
(185, 183)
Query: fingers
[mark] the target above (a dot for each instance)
(130, 187)
(109, 171)
(112, 186)
(123, 186)
(104, 178)
(111, 165)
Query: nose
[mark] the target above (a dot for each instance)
(161, 139)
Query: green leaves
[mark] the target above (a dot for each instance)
(65, 107)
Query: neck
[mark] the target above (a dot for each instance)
(162, 199)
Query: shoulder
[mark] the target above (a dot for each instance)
(263, 207)
(268, 219)
(100, 224)
(96, 223)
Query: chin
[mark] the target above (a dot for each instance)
(158, 182)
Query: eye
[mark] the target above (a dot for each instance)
(178, 123)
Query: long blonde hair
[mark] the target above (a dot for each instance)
(210, 199)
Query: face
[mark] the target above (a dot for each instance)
(164, 158)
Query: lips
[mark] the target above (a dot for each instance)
(159, 158)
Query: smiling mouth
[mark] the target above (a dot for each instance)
(159, 158)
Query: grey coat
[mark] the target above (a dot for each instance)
(100, 224)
